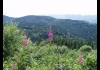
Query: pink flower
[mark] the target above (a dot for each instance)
(50, 35)
(25, 42)
(80, 59)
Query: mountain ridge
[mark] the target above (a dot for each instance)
(89, 18)
(39, 26)
(92, 19)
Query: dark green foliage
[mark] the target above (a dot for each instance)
(11, 39)
(91, 62)
(45, 55)
(37, 26)
(85, 48)
(24, 59)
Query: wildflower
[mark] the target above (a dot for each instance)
(25, 41)
(50, 35)
(13, 67)
(80, 59)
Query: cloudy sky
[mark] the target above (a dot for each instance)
(18, 8)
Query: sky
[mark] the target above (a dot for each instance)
(19, 8)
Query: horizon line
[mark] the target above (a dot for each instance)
(52, 15)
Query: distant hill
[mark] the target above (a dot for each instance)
(89, 18)
(92, 19)
(34, 18)
(77, 28)
(7, 18)
(37, 26)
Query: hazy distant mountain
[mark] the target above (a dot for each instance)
(29, 18)
(7, 18)
(89, 18)
(34, 18)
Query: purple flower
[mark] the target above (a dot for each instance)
(25, 42)
(80, 59)
(50, 35)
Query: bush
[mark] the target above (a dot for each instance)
(85, 48)
(90, 63)
(73, 54)
(12, 39)
(61, 49)
(43, 56)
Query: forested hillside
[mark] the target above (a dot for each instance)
(37, 27)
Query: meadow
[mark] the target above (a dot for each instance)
(20, 53)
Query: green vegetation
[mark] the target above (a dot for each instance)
(37, 26)
(60, 54)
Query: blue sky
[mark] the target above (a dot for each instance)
(18, 8)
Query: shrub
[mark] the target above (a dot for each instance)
(12, 39)
(85, 48)
(90, 63)
(61, 49)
